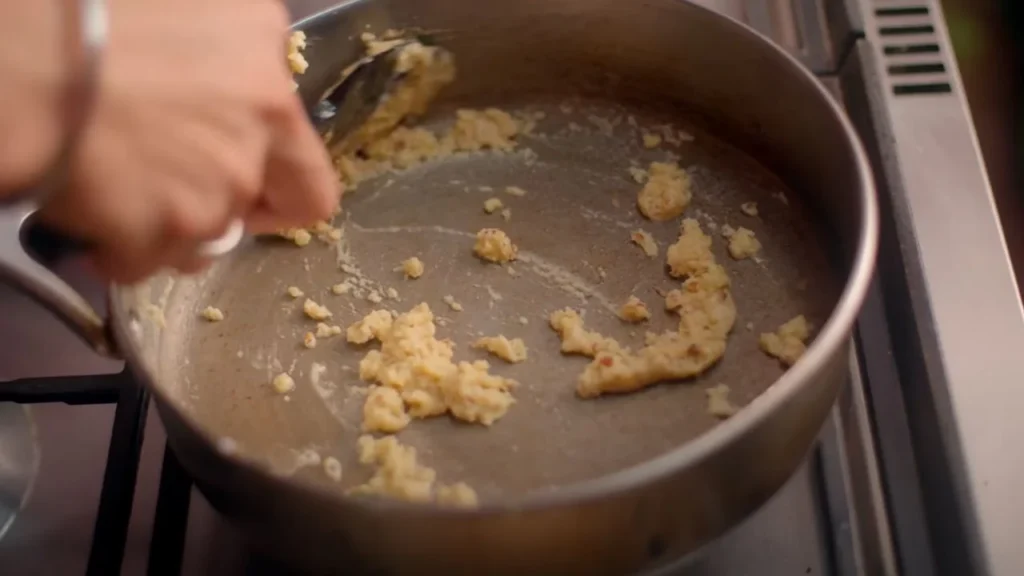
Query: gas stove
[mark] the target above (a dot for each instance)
(914, 473)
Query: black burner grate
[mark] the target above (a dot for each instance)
(121, 472)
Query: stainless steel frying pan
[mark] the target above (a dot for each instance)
(607, 486)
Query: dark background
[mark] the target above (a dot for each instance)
(990, 56)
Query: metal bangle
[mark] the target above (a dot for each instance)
(85, 36)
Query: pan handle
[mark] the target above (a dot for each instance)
(20, 270)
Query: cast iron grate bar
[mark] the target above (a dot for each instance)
(119, 478)
(167, 545)
(91, 389)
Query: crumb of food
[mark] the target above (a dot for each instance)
(634, 310)
(651, 140)
(371, 327)
(494, 245)
(575, 338)
(300, 236)
(506, 214)
(727, 231)
(325, 331)
(618, 370)
(296, 44)
(638, 174)
(492, 205)
(283, 383)
(513, 350)
(515, 191)
(749, 208)
(743, 244)
(691, 253)
(212, 314)
(332, 468)
(374, 297)
(666, 193)
(341, 288)
(704, 304)
(412, 267)
(309, 340)
(789, 342)
(719, 404)
(706, 315)
(419, 368)
(391, 293)
(459, 494)
(398, 474)
(295, 292)
(491, 128)
(315, 311)
(524, 320)
(384, 411)
(450, 301)
(645, 241)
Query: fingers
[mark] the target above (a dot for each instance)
(300, 185)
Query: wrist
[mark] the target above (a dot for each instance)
(33, 65)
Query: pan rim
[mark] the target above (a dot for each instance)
(833, 335)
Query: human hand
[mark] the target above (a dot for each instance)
(195, 123)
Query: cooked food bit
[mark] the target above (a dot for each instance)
(515, 191)
(391, 293)
(399, 475)
(645, 241)
(476, 130)
(667, 356)
(342, 288)
(332, 468)
(419, 367)
(691, 253)
(375, 297)
(513, 350)
(506, 214)
(743, 244)
(666, 193)
(617, 370)
(371, 327)
(412, 267)
(450, 301)
(575, 338)
(212, 314)
(749, 208)
(296, 44)
(719, 404)
(459, 494)
(789, 342)
(300, 236)
(309, 340)
(492, 205)
(384, 411)
(325, 331)
(651, 140)
(633, 310)
(494, 245)
(283, 383)
(315, 311)
(523, 320)
(295, 292)
(706, 316)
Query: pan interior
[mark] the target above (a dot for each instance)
(572, 228)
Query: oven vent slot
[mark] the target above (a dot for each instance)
(914, 59)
